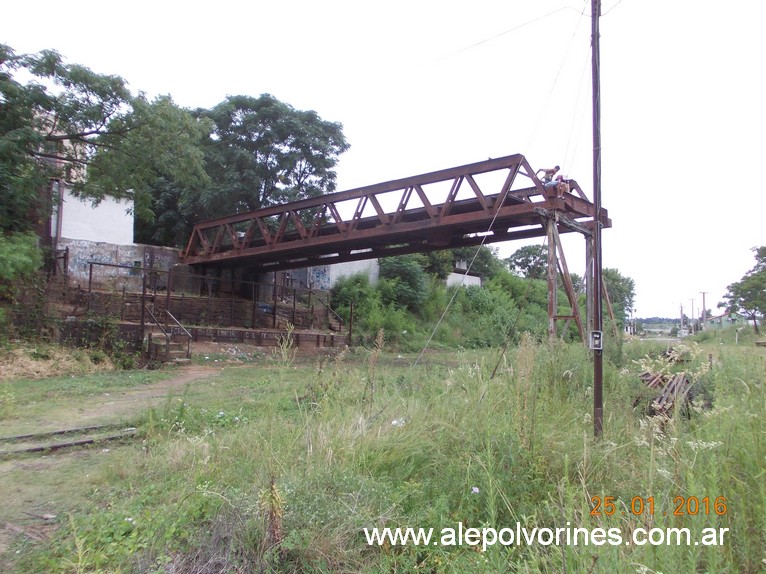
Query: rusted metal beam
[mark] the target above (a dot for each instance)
(383, 218)
(568, 287)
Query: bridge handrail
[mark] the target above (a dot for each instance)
(385, 187)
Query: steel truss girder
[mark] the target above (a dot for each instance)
(383, 220)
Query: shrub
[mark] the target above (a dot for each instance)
(411, 281)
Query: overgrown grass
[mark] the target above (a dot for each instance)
(280, 468)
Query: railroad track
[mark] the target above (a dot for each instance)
(44, 443)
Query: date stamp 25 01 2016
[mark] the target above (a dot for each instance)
(682, 506)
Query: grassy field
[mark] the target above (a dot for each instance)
(280, 463)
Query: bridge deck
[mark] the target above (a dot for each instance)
(449, 208)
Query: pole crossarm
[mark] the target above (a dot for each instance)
(485, 202)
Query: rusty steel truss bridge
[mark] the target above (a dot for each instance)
(495, 200)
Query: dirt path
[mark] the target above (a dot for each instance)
(115, 406)
(131, 402)
(36, 488)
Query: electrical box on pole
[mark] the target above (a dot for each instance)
(596, 340)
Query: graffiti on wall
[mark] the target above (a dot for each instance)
(319, 277)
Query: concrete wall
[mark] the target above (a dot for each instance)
(111, 221)
(325, 276)
(458, 278)
(83, 252)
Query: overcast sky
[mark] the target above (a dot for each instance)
(421, 85)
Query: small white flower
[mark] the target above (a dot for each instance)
(702, 445)
(398, 422)
(475, 490)
(665, 473)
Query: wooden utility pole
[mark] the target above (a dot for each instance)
(692, 319)
(596, 337)
(681, 331)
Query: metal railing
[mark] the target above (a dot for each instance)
(184, 331)
(168, 332)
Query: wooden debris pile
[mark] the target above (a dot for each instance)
(670, 389)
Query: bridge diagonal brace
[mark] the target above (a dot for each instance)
(249, 232)
(361, 204)
(339, 223)
(533, 176)
(430, 210)
(506, 189)
(218, 239)
(403, 201)
(198, 235)
(479, 195)
(264, 231)
(451, 196)
(283, 219)
(298, 224)
(382, 215)
(233, 235)
(319, 220)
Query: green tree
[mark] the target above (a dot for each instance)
(161, 161)
(18, 256)
(485, 260)
(50, 120)
(748, 295)
(64, 121)
(411, 281)
(440, 263)
(622, 291)
(578, 282)
(264, 152)
(530, 261)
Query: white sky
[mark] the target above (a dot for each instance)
(421, 85)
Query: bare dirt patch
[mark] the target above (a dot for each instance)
(115, 406)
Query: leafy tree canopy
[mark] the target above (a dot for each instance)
(411, 288)
(158, 142)
(263, 152)
(49, 123)
(485, 260)
(748, 295)
(531, 261)
(64, 121)
(18, 256)
(622, 292)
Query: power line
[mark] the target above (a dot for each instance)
(612, 8)
(504, 33)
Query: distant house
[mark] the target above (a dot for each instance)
(726, 320)
(461, 276)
